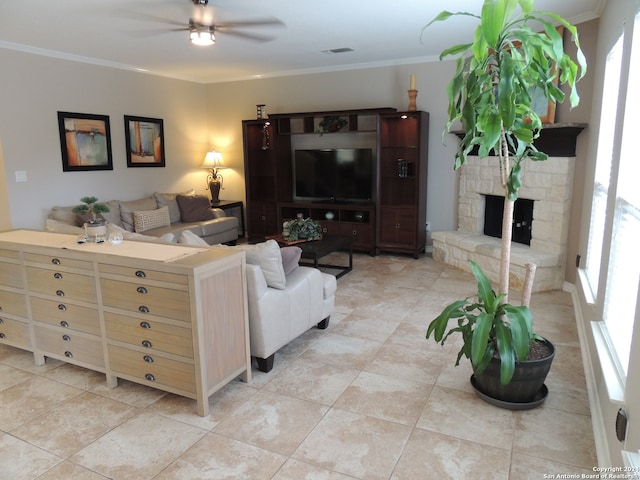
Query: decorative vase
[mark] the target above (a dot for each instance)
(96, 232)
(329, 216)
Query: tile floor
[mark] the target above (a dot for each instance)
(368, 398)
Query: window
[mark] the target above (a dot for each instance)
(624, 269)
(603, 165)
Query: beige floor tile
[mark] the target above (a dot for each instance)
(25, 361)
(295, 470)
(432, 455)
(21, 461)
(70, 471)
(139, 448)
(385, 397)
(350, 352)
(374, 328)
(272, 421)
(74, 424)
(78, 377)
(31, 398)
(314, 381)
(10, 376)
(220, 458)
(353, 444)
(555, 435)
(221, 404)
(463, 415)
(525, 467)
(402, 362)
(456, 378)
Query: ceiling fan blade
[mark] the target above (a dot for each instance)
(263, 22)
(249, 36)
(146, 17)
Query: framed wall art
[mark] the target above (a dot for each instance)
(85, 141)
(144, 138)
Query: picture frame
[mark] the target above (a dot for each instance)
(144, 140)
(85, 141)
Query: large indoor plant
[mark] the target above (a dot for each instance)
(515, 51)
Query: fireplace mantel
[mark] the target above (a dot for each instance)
(556, 139)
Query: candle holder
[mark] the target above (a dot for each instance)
(412, 100)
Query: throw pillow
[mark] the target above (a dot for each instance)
(169, 200)
(139, 237)
(187, 237)
(148, 220)
(267, 255)
(290, 258)
(127, 209)
(194, 208)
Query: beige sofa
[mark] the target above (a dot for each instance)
(159, 215)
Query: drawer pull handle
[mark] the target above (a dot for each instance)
(57, 275)
(140, 274)
(145, 325)
(141, 290)
(148, 358)
(397, 225)
(55, 261)
(68, 354)
(146, 343)
(143, 309)
(60, 293)
(64, 324)
(66, 338)
(62, 307)
(150, 377)
(2, 335)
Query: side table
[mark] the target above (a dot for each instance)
(228, 205)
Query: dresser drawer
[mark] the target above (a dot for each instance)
(53, 261)
(139, 274)
(65, 314)
(13, 303)
(144, 298)
(150, 367)
(149, 333)
(11, 275)
(10, 254)
(63, 284)
(13, 332)
(69, 345)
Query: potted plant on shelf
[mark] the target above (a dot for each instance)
(516, 51)
(89, 211)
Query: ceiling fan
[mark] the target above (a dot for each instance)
(203, 28)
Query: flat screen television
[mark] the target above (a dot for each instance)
(333, 175)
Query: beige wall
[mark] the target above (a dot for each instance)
(5, 216)
(34, 88)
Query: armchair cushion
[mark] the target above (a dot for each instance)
(290, 258)
(267, 255)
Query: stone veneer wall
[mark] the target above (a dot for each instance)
(549, 183)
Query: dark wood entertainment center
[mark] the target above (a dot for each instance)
(395, 218)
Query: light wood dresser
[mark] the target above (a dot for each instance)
(168, 316)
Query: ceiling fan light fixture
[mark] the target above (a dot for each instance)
(202, 36)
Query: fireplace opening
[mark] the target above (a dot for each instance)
(522, 218)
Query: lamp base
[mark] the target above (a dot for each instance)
(214, 188)
(412, 100)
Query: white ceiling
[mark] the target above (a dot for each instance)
(136, 34)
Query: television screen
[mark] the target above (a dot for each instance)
(343, 174)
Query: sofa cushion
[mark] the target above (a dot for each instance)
(290, 258)
(127, 209)
(57, 226)
(149, 219)
(267, 255)
(64, 215)
(194, 208)
(169, 200)
(139, 237)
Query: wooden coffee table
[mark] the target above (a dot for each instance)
(314, 250)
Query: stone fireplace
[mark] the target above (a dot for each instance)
(548, 185)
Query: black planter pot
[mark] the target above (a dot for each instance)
(525, 390)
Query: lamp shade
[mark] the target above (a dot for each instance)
(212, 160)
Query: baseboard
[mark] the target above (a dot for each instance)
(597, 421)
